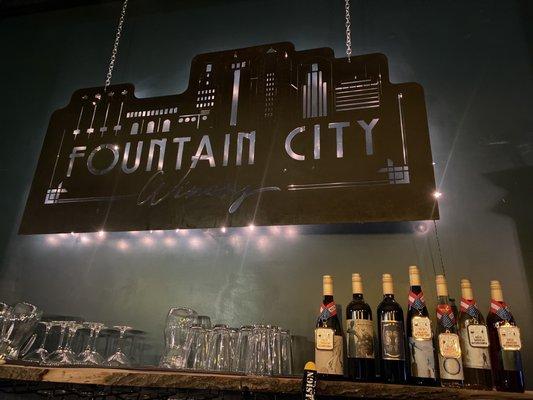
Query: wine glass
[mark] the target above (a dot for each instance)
(90, 356)
(40, 354)
(119, 358)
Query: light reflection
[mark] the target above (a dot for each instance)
(147, 241)
(85, 239)
(122, 245)
(52, 240)
(169, 241)
(195, 243)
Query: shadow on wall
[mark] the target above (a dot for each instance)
(517, 205)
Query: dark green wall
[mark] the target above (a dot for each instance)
(472, 59)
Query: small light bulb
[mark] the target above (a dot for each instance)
(437, 194)
(251, 227)
(101, 234)
(223, 229)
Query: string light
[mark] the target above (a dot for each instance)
(437, 194)
(101, 234)
(223, 229)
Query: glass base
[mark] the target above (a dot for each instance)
(38, 356)
(61, 357)
(90, 357)
(119, 359)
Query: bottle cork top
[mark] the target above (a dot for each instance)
(327, 285)
(414, 275)
(357, 284)
(466, 289)
(496, 292)
(388, 286)
(442, 286)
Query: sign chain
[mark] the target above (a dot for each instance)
(115, 45)
(348, 30)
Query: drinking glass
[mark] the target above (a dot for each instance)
(64, 355)
(179, 320)
(18, 325)
(286, 352)
(194, 346)
(40, 354)
(274, 342)
(90, 356)
(244, 350)
(119, 358)
(219, 356)
(262, 364)
(234, 336)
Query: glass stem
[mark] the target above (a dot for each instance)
(61, 337)
(46, 332)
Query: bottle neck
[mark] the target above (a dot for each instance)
(416, 289)
(357, 296)
(443, 299)
(328, 298)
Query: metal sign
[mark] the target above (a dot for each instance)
(264, 135)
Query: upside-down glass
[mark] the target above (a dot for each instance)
(244, 350)
(204, 321)
(40, 354)
(286, 352)
(119, 358)
(18, 325)
(90, 356)
(195, 348)
(179, 320)
(219, 353)
(64, 355)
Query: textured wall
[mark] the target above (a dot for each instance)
(473, 61)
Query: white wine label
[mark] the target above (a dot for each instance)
(474, 356)
(422, 358)
(330, 361)
(421, 328)
(477, 335)
(392, 340)
(450, 368)
(449, 346)
(509, 336)
(359, 338)
(324, 338)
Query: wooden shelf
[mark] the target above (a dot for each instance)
(236, 383)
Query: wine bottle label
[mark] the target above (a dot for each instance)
(477, 335)
(359, 338)
(392, 340)
(500, 309)
(422, 358)
(324, 338)
(416, 301)
(327, 311)
(449, 346)
(509, 336)
(445, 316)
(474, 346)
(330, 361)
(450, 368)
(421, 328)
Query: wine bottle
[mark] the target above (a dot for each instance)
(419, 334)
(359, 335)
(449, 347)
(391, 334)
(474, 341)
(328, 336)
(505, 344)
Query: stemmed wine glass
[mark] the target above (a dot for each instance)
(40, 354)
(64, 354)
(119, 358)
(90, 356)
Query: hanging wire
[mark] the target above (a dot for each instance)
(438, 246)
(348, 30)
(115, 45)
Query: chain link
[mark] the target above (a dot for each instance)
(348, 30)
(115, 45)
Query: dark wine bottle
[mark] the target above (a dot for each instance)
(449, 347)
(359, 336)
(391, 333)
(505, 344)
(419, 334)
(328, 336)
(474, 340)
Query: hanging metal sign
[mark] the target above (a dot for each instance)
(264, 135)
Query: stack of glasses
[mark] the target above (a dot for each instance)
(191, 343)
